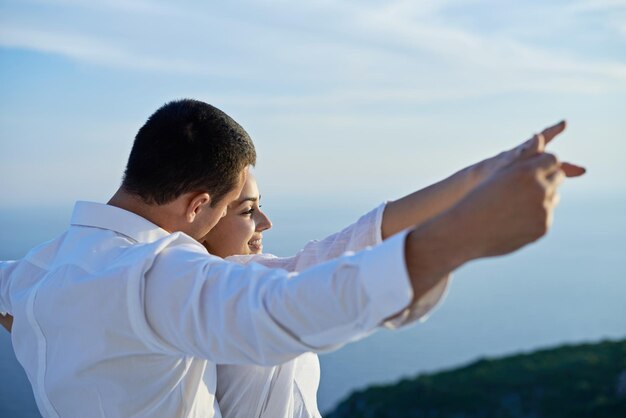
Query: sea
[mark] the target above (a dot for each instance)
(568, 288)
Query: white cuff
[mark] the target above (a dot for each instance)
(422, 308)
(385, 278)
(378, 222)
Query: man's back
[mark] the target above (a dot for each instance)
(80, 329)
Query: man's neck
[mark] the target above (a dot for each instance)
(157, 214)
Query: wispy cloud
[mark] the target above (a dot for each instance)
(417, 31)
(91, 50)
(351, 51)
(77, 47)
(143, 7)
(597, 5)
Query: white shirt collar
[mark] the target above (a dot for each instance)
(99, 215)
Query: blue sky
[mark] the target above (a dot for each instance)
(343, 99)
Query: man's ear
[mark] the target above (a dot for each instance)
(197, 202)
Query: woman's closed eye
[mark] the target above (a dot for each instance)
(251, 210)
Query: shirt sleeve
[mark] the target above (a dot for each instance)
(232, 314)
(365, 232)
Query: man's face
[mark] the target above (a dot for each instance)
(208, 217)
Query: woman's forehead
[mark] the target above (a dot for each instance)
(250, 187)
(250, 191)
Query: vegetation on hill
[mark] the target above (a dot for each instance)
(582, 381)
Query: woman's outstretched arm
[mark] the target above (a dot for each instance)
(422, 205)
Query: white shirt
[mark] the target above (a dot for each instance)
(289, 390)
(119, 318)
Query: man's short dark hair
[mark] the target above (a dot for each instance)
(187, 146)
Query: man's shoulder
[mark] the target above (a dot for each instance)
(97, 250)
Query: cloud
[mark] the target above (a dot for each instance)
(143, 7)
(427, 32)
(317, 53)
(597, 5)
(95, 51)
(420, 35)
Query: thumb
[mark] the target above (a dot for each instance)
(544, 162)
(530, 148)
(572, 170)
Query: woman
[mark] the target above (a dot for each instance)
(289, 389)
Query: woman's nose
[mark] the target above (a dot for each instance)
(263, 223)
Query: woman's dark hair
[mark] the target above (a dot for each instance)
(187, 146)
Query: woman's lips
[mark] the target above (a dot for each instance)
(256, 244)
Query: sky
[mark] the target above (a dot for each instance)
(345, 100)
(348, 102)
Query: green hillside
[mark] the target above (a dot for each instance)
(586, 381)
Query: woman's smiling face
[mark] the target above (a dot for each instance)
(240, 231)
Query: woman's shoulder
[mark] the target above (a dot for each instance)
(250, 258)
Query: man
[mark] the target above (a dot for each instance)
(122, 314)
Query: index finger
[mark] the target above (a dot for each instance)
(550, 133)
(537, 143)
